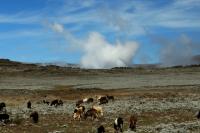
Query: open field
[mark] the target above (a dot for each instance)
(165, 100)
(166, 110)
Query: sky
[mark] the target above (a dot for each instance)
(100, 33)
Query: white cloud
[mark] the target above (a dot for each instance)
(175, 14)
(22, 18)
(57, 27)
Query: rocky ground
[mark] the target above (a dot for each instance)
(165, 100)
(158, 110)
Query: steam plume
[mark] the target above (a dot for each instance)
(98, 53)
(179, 52)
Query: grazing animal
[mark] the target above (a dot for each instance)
(35, 117)
(99, 97)
(118, 124)
(85, 100)
(132, 123)
(79, 102)
(46, 102)
(103, 100)
(29, 105)
(60, 102)
(91, 113)
(77, 115)
(4, 117)
(57, 103)
(99, 110)
(101, 129)
(90, 100)
(110, 97)
(78, 112)
(81, 108)
(2, 105)
(198, 115)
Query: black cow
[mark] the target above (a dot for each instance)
(4, 117)
(103, 100)
(29, 104)
(90, 100)
(35, 117)
(198, 115)
(56, 103)
(101, 129)
(118, 124)
(2, 105)
(46, 102)
(110, 97)
(60, 102)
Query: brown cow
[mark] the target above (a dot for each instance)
(77, 115)
(91, 113)
(99, 110)
(132, 123)
(78, 112)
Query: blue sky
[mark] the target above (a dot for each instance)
(26, 32)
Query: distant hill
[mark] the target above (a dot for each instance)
(9, 63)
(8, 66)
(61, 64)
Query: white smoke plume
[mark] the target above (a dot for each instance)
(98, 53)
(178, 52)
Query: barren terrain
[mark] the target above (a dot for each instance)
(165, 100)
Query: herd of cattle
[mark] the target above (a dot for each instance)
(80, 113)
